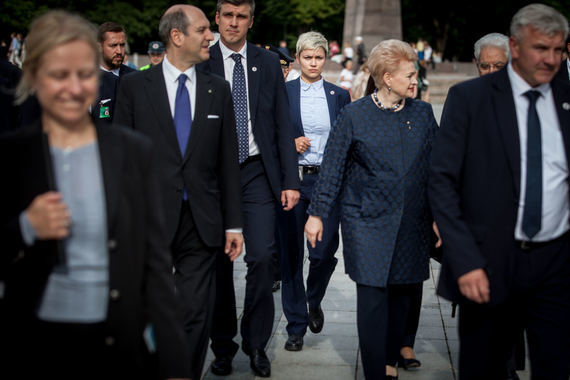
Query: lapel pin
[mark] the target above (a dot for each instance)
(566, 106)
(254, 69)
(209, 91)
(332, 92)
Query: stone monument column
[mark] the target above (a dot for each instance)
(374, 20)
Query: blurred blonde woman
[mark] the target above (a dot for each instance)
(85, 264)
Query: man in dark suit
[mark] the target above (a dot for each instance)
(499, 194)
(189, 116)
(314, 107)
(268, 168)
(112, 40)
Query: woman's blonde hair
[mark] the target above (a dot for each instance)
(386, 57)
(49, 30)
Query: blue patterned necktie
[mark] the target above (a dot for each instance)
(182, 118)
(240, 107)
(532, 213)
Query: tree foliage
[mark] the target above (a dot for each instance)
(450, 26)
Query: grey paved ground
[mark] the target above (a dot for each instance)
(334, 353)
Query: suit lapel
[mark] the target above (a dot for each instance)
(331, 101)
(155, 89)
(561, 95)
(254, 66)
(112, 159)
(216, 61)
(204, 96)
(295, 102)
(505, 113)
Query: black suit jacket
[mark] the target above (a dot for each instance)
(475, 179)
(140, 265)
(269, 110)
(209, 170)
(108, 86)
(563, 71)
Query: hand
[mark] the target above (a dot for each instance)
(49, 216)
(314, 230)
(302, 144)
(436, 230)
(474, 286)
(289, 199)
(234, 245)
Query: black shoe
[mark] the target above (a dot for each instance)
(316, 319)
(408, 363)
(276, 286)
(388, 377)
(258, 362)
(512, 375)
(294, 343)
(222, 366)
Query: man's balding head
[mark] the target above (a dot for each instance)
(179, 17)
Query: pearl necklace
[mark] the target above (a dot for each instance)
(379, 105)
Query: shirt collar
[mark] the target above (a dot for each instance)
(520, 86)
(115, 71)
(315, 85)
(227, 52)
(171, 73)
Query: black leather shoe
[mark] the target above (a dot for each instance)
(222, 366)
(259, 362)
(388, 377)
(294, 343)
(316, 319)
(408, 363)
(512, 375)
(276, 286)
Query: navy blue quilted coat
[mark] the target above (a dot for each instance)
(377, 163)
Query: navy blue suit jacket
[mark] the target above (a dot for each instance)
(108, 87)
(475, 179)
(269, 112)
(336, 99)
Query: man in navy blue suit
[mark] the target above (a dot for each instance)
(314, 106)
(268, 169)
(112, 40)
(499, 191)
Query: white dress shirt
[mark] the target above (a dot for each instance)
(229, 64)
(171, 75)
(555, 204)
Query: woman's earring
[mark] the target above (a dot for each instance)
(389, 89)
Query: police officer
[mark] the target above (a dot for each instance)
(156, 53)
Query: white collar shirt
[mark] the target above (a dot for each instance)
(555, 204)
(171, 75)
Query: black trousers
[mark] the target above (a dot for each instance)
(381, 316)
(194, 276)
(539, 303)
(258, 204)
(413, 318)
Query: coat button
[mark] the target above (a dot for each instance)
(109, 341)
(112, 244)
(114, 294)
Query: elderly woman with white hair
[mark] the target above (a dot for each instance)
(376, 166)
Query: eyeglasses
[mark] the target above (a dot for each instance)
(487, 66)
